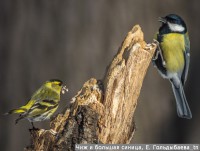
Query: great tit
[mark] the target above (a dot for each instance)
(172, 58)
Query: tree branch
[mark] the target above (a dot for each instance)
(103, 110)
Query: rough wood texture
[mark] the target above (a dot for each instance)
(102, 111)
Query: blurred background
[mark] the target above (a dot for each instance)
(76, 40)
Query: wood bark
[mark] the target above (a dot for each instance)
(103, 110)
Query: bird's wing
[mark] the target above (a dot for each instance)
(187, 59)
(41, 107)
(26, 108)
(28, 105)
(36, 109)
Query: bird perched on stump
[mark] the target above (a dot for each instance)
(43, 103)
(172, 58)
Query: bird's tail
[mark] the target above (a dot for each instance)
(18, 111)
(183, 109)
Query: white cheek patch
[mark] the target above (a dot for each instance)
(175, 27)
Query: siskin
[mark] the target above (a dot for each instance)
(43, 103)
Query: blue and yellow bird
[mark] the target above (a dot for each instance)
(172, 58)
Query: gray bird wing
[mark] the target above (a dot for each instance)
(187, 59)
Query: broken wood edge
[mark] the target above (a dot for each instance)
(108, 105)
(122, 85)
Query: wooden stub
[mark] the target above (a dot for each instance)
(122, 84)
(103, 110)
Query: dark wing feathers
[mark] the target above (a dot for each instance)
(187, 59)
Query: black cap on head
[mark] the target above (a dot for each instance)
(56, 80)
(173, 18)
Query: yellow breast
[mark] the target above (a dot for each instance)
(173, 48)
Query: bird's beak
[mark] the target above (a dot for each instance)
(162, 20)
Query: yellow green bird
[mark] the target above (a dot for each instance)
(172, 58)
(43, 103)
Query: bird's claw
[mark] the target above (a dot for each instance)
(33, 129)
(159, 51)
(156, 42)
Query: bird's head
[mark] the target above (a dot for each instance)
(56, 85)
(173, 23)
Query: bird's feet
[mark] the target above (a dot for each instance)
(158, 52)
(33, 129)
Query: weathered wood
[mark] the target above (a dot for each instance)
(102, 111)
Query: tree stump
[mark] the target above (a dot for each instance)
(103, 110)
